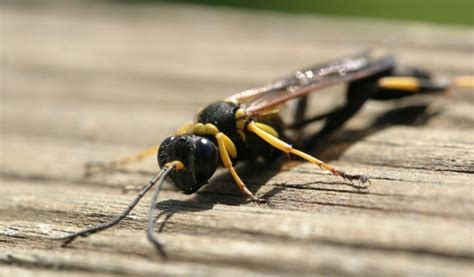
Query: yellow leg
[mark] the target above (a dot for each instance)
(285, 147)
(464, 81)
(413, 84)
(224, 154)
(408, 84)
(110, 165)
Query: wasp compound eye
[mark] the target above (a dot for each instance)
(206, 159)
(199, 156)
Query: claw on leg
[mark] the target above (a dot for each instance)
(364, 181)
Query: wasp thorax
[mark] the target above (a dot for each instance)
(221, 115)
(199, 156)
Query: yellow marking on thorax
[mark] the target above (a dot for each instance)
(209, 129)
(240, 113)
(232, 101)
(198, 129)
(240, 121)
(205, 129)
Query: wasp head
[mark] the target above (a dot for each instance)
(199, 156)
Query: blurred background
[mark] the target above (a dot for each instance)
(437, 11)
(74, 69)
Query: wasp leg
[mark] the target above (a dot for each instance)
(466, 81)
(387, 87)
(286, 148)
(393, 87)
(406, 82)
(358, 93)
(384, 86)
(300, 110)
(224, 147)
(392, 84)
(298, 117)
(93, 166)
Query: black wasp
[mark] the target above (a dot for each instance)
(247, 126)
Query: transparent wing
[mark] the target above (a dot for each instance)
(311, 79)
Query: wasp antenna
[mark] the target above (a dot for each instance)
(151, 212)
(100, 227)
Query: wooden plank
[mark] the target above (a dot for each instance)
(75, 90)
(196, 223)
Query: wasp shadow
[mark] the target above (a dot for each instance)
(222, 189)
(334, 146)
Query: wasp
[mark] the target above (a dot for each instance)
(248, 126)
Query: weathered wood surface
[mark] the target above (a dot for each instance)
(89, 81)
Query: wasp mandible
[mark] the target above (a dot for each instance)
(248, 126)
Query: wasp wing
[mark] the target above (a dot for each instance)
(310, 79)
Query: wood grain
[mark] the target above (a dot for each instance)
(83, 81)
